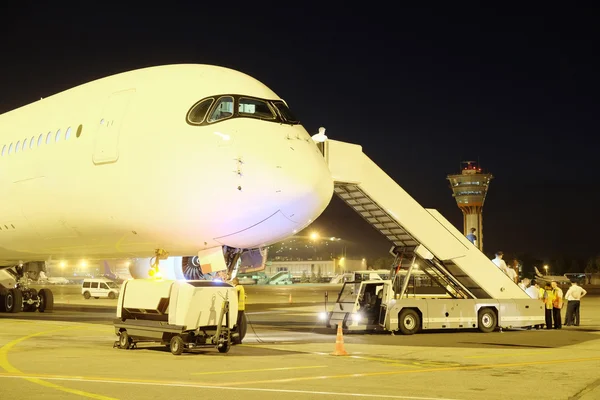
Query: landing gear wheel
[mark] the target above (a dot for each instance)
(124, 340)
(86, 295)
(46, 300)
(487, 320)
(409, 322)
(13, 301)
(176, 345)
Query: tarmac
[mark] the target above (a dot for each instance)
(287, 353)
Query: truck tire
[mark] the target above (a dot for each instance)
(409, 322)
(46, 300)
(86, 295)
(13, 301)
(176, 345)
(487, 320)
(124, 340)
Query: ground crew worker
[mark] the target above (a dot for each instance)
(471, 236)
(241, 294)
(548, 301)
(557, 303)
(573, 296)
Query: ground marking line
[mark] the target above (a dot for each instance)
(199, 386)
(416, 371)
(257, 370)
(7, 366)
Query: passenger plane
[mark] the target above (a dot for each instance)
(181, 160)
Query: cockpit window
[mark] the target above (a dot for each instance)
(199, 111)
(226, 106)
(255, 108)
(285, 112)
(223, 109)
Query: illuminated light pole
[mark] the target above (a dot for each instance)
(546, 268)
(469, 188)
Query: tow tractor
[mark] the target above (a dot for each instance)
(17, 296)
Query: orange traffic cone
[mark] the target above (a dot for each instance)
(290, 299)
(339, 343)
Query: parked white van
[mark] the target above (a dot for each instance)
(100, 287)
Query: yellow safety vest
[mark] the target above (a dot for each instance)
(241, 294)
(548, 299)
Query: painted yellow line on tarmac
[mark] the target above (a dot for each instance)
(415, 371)
(256, 370)
(196, 385)
(386, 360)
(531, 353)
(8, 367)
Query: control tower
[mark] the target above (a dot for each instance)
(469, 188)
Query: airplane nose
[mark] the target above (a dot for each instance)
(308, 185)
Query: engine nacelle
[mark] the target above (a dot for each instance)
(178, 268)
(170, 268)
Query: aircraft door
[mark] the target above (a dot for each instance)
(106, 148)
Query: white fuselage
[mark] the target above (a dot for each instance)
(139, 177)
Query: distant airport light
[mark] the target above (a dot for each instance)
(63, 264)
(314, 236)
(83, 263)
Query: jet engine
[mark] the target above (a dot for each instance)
(189, 267)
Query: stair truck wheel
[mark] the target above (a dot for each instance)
(46, 300)
(409, 322)
(124, 340)
(487, 320)
(176, 345)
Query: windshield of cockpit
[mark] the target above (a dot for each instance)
(222, 107)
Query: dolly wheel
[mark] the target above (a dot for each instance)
(177, 345)
(224, 347)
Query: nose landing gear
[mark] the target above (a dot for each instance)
(159, 254)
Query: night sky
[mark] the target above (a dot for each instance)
(419, 89)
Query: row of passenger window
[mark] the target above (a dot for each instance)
(8, 149)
